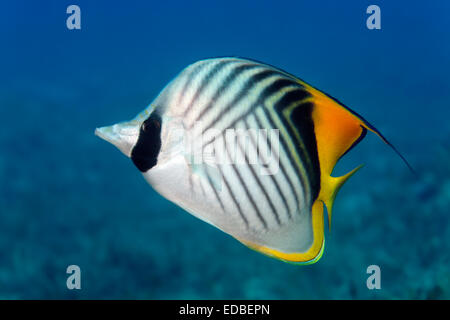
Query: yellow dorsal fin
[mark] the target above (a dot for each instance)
(331, 104)
(337, 130)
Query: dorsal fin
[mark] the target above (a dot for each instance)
(365, 124)
(378, 133)
(338, 129)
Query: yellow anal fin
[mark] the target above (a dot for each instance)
(330, 188)
(315, 251)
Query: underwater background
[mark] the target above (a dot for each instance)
(67, 197)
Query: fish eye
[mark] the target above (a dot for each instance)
(151, 123)
(156, 123)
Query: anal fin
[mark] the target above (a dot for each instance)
(330, 188)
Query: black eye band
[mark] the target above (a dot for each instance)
(145, 153)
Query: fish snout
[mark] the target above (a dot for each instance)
(123, 135)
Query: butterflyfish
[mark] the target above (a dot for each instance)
(247, 148)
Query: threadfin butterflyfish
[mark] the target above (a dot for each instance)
(247, 148)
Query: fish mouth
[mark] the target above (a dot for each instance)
(123, 135)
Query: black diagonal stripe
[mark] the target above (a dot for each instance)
(228, 81)
(266, 92)
(204, 82)
(291, 97)
(191, 76)
(247, 192)
(249, 84)
(214, 189)
(274, 181)
(256, 177)
(289, 157)
(286, 148)
(233, 197)
(274, 87)
(301, 118)
(298, 95)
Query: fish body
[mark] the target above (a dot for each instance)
(247, 148)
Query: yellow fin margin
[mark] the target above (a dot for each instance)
(313, 254)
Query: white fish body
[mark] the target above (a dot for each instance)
(184, 146)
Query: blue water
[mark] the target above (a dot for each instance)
(67, 197)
